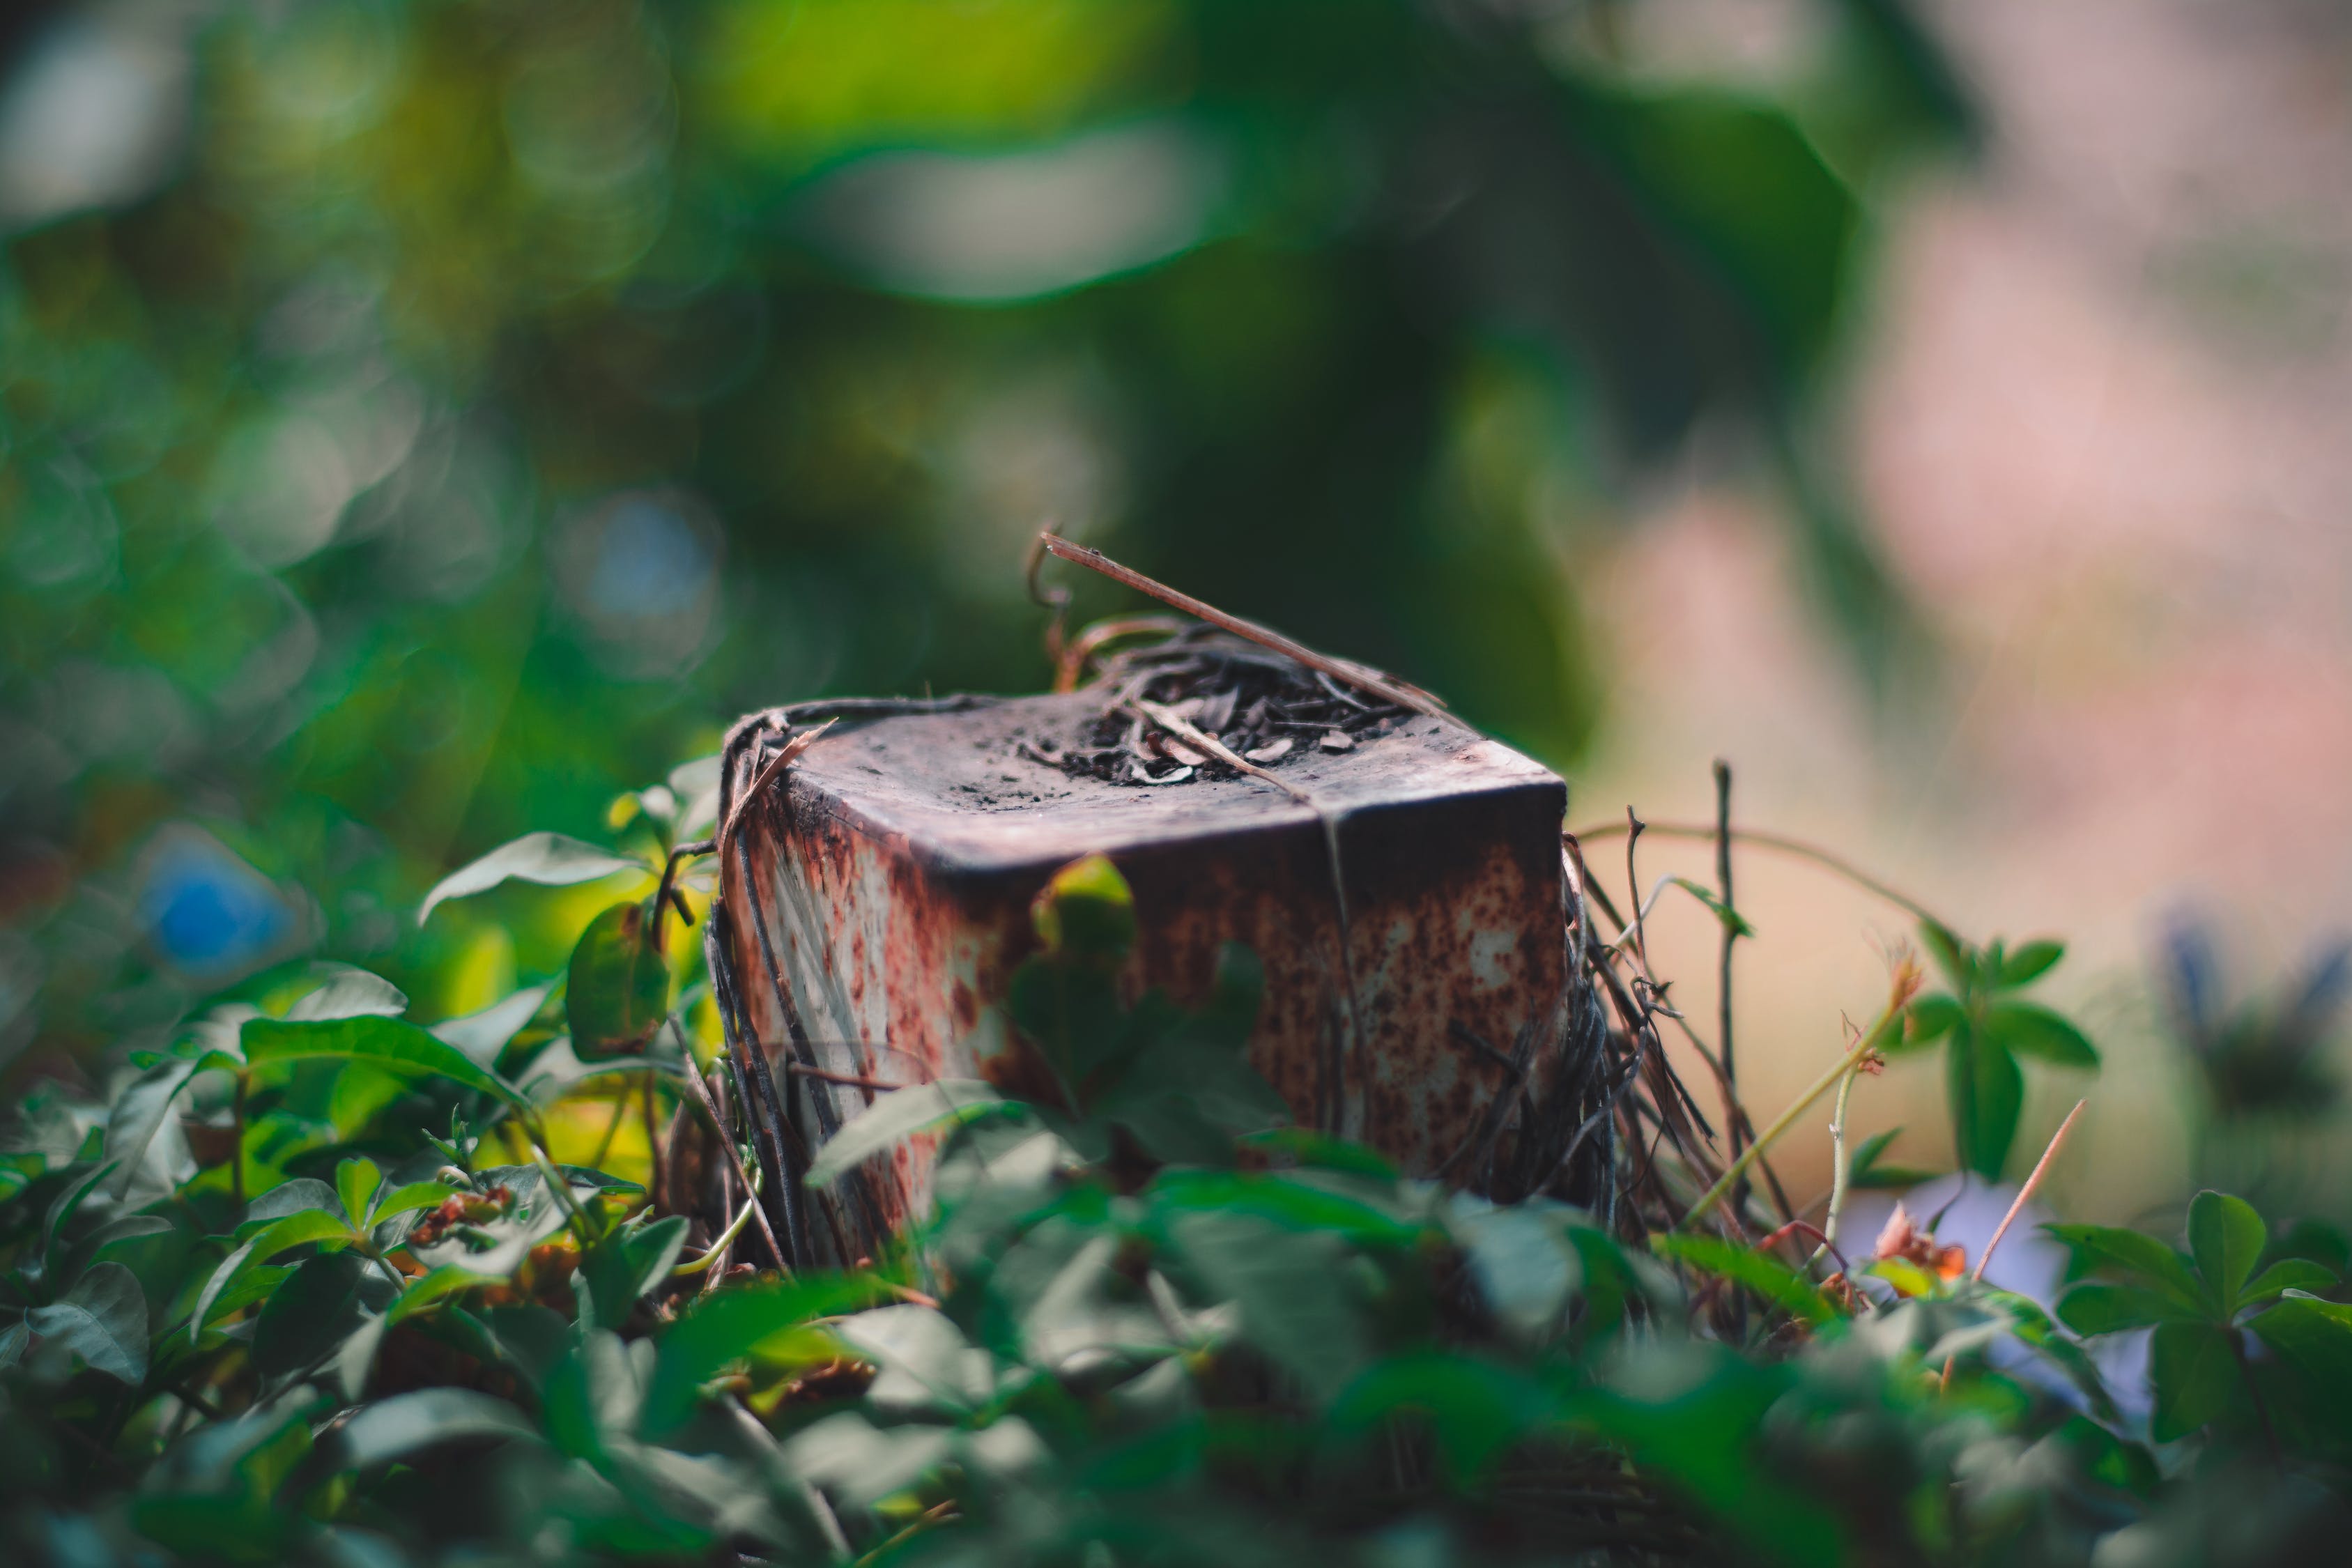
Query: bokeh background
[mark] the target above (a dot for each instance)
(422, 419)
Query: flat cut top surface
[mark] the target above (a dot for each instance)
(960, 789)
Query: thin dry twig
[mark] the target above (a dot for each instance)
(1359, 676)
(1193, 735)
(2041, 1167)
(784, 759)
(2025, 1191)
(1785, 845)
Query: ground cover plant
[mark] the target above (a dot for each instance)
(314, 1282)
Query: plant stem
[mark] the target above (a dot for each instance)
(1888, 1022)
(1840, 1168)
(717, 1248)
(1722, 968)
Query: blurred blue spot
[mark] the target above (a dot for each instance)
(649, 564)
(205, 909)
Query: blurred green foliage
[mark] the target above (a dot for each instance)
(418, 416)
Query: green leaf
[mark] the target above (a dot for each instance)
(409, 1198)
(1865, 1174)
(2194, 1369)
(1291, 1289)
(1526, 1268)
(2090, 1310)
(349, 993)
(308, 1316)
(103, 1319)
(734, 1325)
(406, 1424)
(2287, 1274)
(290, 1196)
(1731, 920)
(2142, 1258)
(626, 1264)
(1768, 1276)
(900, 1115)
(1087, 912)
(618, 990)
(356, 1181)
(385, 1043)
(1929, 1018)
(2036, 1031)
(928, 1366)
(2028, 962)
(1477, 1411)
(483, 1035)
(423, 1294)
(1951, 954)
(2227, 1237)
(138, 1114)
(549, 860)
(297, 1229)
(2314, 1338)
(1988, 1094)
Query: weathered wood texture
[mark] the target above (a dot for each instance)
(1409, 919)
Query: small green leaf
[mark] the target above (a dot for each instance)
(297, 1229)
(1929, 1018)
(2227, 1237)
(900, 1115)
(2091, 1310)
(1526, 1268)
(734, 1325)
(1291, 1289)
(2028, 962)
(138, 1112)
(1087, 912)
(2141, 1258)
(356, 1181)
(549, 860)
(1767, 1275)
(1732, 920)
(103, 1319)
(2314, 1338)
(384, 1042)
(2287, 1274)
(408, 1199)
(308, 1316)
(2194, 1369)
(2036, 1031)
(423, 1295)
(1988, 1094)
(618, 991)
(483, 1035)
(1951, 954)
(626, 1264)
(405, 1424)
(349, 993)
(1865, 1174)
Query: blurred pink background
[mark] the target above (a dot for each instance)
(2102, 423)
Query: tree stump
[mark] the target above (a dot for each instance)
(1404, 895)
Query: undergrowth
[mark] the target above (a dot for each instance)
(319, 1284)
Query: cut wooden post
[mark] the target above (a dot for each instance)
(1404, 896)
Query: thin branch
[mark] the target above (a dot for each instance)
(1784, 845)
(1730, 934)
(1363, 678)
